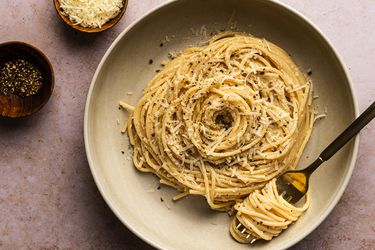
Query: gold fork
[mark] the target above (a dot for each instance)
(293, 184)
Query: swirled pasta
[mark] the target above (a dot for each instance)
(223, 119)
(264, 214)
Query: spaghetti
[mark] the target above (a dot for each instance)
(222, 120)
(265, 214)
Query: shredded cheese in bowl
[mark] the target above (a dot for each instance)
(91, 13)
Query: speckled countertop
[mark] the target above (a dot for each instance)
(48, 199)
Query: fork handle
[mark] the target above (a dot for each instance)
(349, 133)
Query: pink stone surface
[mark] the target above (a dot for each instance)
(48, 199)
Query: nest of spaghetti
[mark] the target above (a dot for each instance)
(265, 214)
(223, 119)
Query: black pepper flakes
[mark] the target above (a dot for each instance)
(21, 78)
(150, 61)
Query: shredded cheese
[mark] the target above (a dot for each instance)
(91, 13)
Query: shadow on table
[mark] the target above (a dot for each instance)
(110, 232)
(118, 234)
(76, 40)
(22, 124)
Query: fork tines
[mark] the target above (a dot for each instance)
(243, 230)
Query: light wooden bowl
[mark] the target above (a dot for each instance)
(14, 106)
(106, 26)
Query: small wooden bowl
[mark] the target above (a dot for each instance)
(13, 105)
(106, 26)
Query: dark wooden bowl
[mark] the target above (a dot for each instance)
(106, 26)
(15, 106)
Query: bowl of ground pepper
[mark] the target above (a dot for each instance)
(26, 79)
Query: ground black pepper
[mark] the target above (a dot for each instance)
(20, 77)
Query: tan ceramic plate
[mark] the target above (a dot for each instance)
(190, 224)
